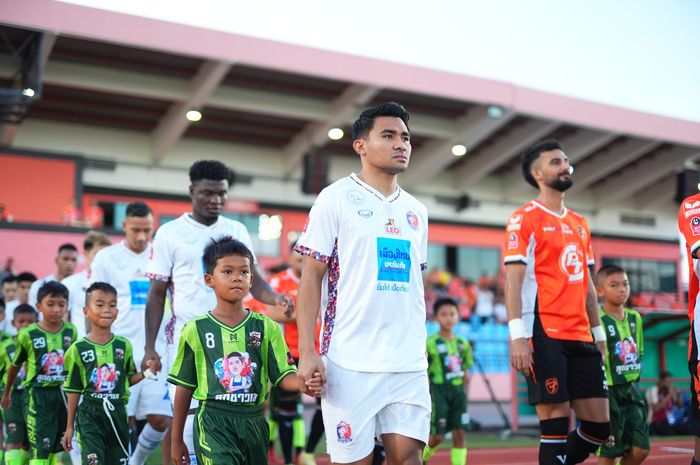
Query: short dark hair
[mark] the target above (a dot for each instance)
(364, 124)
(99, 286)
(607, 270)
(139, 209)
(52, 289)
(23, 308)
(93, 238)
(533, 153)
(67, 246)
(10, 279)
(2, 302)
(26, 276)
(443, 302)
(212, 170)
(224, 247)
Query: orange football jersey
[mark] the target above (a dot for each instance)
(556, 250)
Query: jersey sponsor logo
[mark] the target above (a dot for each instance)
(412, 219)
(365, 213)
(391, 228)
(393, 260)
(566, 229)
(52, 363)
(514, 223)
(512, 241)
(695, 225)
(572, 263)
(691, 212)
(138, 290)
(344, 432)
(626, 351)
(695, 204)
(235, 372)
(552, 386)
(104, 378)
(356, 197)
(453, 364)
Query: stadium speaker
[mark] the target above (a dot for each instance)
(687, 183)
(315, 173)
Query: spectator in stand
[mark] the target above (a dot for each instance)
(9, 268)
(94, 215)
(5, 215)
(66, 261)
(484, 300)
(499, 307)
(665, 408)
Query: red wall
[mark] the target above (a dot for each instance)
(35, 189)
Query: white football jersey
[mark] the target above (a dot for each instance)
(177, 259)
(77, 284)
(373, 303)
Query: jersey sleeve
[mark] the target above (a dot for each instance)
(99, 269)
(640, 333)
(184, 370)
(468, 355)
(321, 230)
(279, 360)
(590, 258)
(160, 263)
(517, 239)
(129, 365)
(22, 348)
(689, 223)
(424, 243)
(74, 380)
(34, 292)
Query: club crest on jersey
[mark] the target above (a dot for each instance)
(118, 354)
(412, 219)
(254, 339)
(391, 228)
(344, 432)
(572, 263)
(695, 225)
(67, 341)
(581, 231)
(552, 386)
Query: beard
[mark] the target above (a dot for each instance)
(561, 184)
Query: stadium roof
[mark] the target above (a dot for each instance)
(113, 70)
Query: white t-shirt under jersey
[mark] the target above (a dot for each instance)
(77, 285)
(34, 288)
(373, 303)
(126, 271)
(177, 259)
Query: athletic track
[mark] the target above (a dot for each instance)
(662, 453)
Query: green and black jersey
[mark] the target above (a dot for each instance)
(43, 353)
(231, 365)
(100, 370)
(623, 363)
(448, 359)
(7, 354)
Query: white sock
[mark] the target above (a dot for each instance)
(75, 453)
(149, 439)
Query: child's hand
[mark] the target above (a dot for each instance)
(67, 440)
(179, 453)
(6, 402)
(315, 385)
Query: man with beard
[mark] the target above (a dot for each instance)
(553, 312)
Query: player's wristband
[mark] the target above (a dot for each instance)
(598, 333)
(516, 326)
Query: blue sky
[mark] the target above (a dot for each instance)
(639, 54)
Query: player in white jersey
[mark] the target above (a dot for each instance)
(66, 261)
(123, 265)
(176, 263)
(365, 245)
(77, 283)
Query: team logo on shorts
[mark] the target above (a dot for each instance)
(552, 386)
(46, 442)
(344, 432)
(12, 427)
(92, 459)
(412, 219)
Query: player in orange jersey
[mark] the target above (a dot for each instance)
(552, 310)
(689, 225)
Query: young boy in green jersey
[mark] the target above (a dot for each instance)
(16, 444)
(449, 358)
(101, 368)
(623, 364)
(224, 360)
(42, 346)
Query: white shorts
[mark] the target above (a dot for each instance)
(149, 397)
(359, 406)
